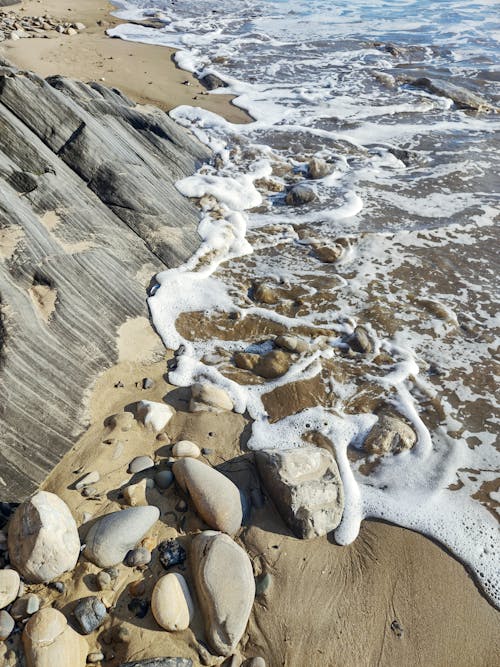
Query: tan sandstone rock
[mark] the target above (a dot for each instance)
(50, 642)
(171, 602)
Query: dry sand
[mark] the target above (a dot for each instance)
(391, 599)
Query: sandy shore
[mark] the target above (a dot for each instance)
(393, 598)
(146, 73)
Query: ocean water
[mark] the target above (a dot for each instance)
(410, 204)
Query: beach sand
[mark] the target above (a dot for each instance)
(393, 598)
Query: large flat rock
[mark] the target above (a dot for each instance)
(87, 203)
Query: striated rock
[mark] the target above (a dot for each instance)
(9, 587)
(135, 494)
(215, 497)
(90, 614)
(318, 168)
(7, 624)
(43, 538)
(101, 210)
(155, 415)
(185, 448)
(171, 602)
(389, 434)
(114, 535)
(305, 486)
(300, 195)
(225, 588)
(159, 662)
(207, 396)
(50, 642)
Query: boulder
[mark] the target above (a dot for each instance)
(306, 488)
(114, 535)
(171, 602)
(389, 434)
(206, 396)
(9, 587)
(225, 588)
(50, 642)
(43, 538)
(215, 497)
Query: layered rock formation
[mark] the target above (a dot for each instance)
(87, 204)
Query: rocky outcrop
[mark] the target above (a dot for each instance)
(306, 487)
(87, 203)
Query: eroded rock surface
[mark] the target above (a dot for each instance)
(87, 204)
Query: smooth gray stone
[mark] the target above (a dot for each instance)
(114, 535)
(90, 614)
(159, 662)
(140, 463)
(98, 207)
(164, 479)
(7, 624)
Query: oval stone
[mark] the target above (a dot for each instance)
(9, 587)
(171, 602)
(185, 448)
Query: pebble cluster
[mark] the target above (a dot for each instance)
(15, 25)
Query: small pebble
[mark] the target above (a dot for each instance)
(263, 583)
(7, 624)
(90, 614)
(207, 451)
(137, 588)
(59, 586)
(103, 581)
(171, 553)
(181, 506)
(140, 463)
(148, 383)
(95, 657)
(87, 480)
(138, 557)
(90, 492)
(138, 607)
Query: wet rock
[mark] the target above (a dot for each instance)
(225, 588)
(164, 479)
(300, 195)
(43, 538)
(171, 553)
(264, 293)
(171, 602)
(207, 396)
(114, 535)
(159, 662)
(185, 448)
(272, 365)
(135, 494)
(90, 614)
(360, 341)
(155, 415)
(292, 343)
(463, 98)
(212, 81)
(246, 360)
(138, 557)
(9, 587)
(329, 254)
(215, 497)
(87, 480)
(318, 168)
(140, 463)
(50, 642)
(389, 434)
(7, 624)
(305, 486)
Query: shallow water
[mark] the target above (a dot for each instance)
(410, 203)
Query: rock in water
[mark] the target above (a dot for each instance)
(43, 538)
(389, 434)
(462, 97)
(159, 662)
(215, 497)
(90, 614)
(212, 81)
(155, 415)
(306, 488)
(50, 642)
(299, 195)
(318, 168)
(114, 535)
(225, 588)
(9, 587)
(171, 602)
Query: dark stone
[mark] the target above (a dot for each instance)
(171, 553)
(138, 607)
(148, 383)
(212, 81)
(90, 614)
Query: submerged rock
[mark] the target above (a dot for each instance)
(171, 602)
(225, 588)
(462, 97)
(389, 434)
(306, 487)
(43, 538)
(272, 365)
(114, 535)
(50, 642)
(215, 497)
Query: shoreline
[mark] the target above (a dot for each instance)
(146, 73)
